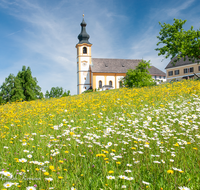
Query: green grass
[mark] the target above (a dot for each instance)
(144, 138)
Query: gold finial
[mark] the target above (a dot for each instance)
(83, 15)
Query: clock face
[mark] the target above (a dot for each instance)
(84, 63)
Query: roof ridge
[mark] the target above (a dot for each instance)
(116, 58)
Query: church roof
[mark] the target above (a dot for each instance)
(100, 65)
(179, 63)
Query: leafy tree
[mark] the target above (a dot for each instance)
(179, 43)
(29, 85)
(6, 88)
(47, 94)
(140, 76)
(17, 91)
(66, 93)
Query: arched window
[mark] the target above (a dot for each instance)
(84, 50)
(110, 83)
(100, 84)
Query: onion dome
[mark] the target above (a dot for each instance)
(83, 36)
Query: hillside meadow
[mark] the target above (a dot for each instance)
(140, 138)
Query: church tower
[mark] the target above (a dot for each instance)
(84, 60)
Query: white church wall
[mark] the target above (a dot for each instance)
(84, 63)
(98, 78)
(87, 81)
(110, 78)
(118, 79)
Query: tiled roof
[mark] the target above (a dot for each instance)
(179, 63)
(119, 66)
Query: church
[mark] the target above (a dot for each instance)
(103, 73)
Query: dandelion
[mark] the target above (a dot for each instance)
(46, 173)
(170, 171)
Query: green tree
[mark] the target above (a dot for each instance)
(55, 92)
(139, 77)
(17, 91)
(179, 43)
(6, 88)
(47, 94)
(29, 85)
(66, 93)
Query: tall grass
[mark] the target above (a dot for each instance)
(145, 138)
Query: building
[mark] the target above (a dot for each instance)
(97, 73)
(182, 69)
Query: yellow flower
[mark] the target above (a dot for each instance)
(37, 169)
(66, 151)
(194, 148)
(176, 144)
(46, 173)
(51, 167)
(118, 162)
(170, 171)
(110, 172)
(60, 177)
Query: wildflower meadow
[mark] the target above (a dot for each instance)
(140, 138)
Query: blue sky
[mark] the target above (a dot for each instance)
(42, 34)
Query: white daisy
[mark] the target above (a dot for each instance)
(110, 177)
(49, 179)
(29, 156)
(184, 188)
(23, 160)
(30, 188)
(7, 184)
(146, 183)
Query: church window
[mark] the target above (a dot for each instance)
(110, 83)
(84, 50)
(85, 87)
(85, 78)
(100, 84)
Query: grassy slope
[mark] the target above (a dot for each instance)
(89, 137)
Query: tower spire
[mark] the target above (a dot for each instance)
(83, 36)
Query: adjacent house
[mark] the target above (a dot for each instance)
(182, 69)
